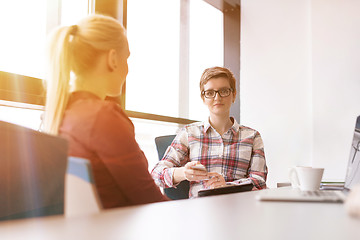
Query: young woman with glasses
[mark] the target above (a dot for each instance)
(231, 153)
(95, 51)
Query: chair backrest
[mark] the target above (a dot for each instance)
(81, 196)
(182, 190)
(32, 171)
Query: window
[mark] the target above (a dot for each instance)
(170, 47)
(23, 36)
(24, 25)
(74, 10)
(22, 48)
(206, 50)
(152, 82)
(17, 115)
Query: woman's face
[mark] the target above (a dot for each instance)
(218, 105)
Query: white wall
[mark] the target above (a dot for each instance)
(299, 81)
(336, 81)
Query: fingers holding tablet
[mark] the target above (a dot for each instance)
(216, 180)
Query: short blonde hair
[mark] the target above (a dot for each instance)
(216, 72)
(75, 49)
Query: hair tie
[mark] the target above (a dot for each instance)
(73, 29)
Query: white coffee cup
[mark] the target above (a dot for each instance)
(306, 178)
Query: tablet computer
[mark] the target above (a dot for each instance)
(225, 190)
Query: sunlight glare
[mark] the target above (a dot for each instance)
(23, 34)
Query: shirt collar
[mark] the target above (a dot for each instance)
(234, 128)
(78, 95)
(206, 125)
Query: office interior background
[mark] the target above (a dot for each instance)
(296, 63)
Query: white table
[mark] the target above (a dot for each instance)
(232, 216)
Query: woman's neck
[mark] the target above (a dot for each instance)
(94, 80)
(220, 123)
(90, 84)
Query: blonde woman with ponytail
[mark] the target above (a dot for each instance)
(88, 62)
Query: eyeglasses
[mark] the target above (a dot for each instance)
(224, 92)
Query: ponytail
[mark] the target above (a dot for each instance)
(57, 85)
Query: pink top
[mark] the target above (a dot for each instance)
(101, 132)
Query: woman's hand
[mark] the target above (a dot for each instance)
(192, 174)
(216, 180)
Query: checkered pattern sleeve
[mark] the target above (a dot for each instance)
(257, 171)
(176, 155)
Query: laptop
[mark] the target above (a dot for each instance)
(32, 172)
(351, 179)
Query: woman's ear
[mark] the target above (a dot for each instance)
(234, 97)
(112, 60)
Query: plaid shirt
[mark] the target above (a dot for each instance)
(238, 155)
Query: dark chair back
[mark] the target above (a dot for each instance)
(182, 190)
(32, 172)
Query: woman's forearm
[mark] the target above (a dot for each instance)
(178, 175)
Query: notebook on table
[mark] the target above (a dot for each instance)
(351, 179)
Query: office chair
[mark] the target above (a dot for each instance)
(81, 196)
(182, 190)
(32, 172)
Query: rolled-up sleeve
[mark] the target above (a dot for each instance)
(258, 169)
(176, 155)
